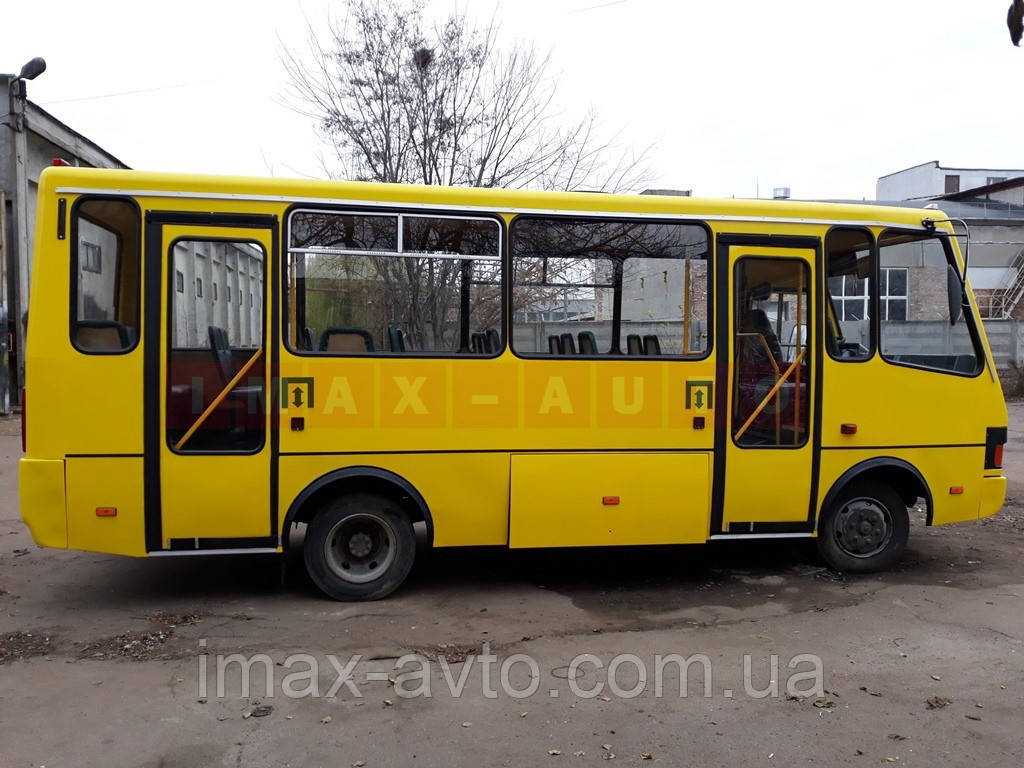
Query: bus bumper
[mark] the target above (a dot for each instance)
(993, 493)
(43, 509)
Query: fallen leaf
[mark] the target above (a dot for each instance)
(358, 764)
(891, 760)
(605, 698)
(523, 714)
(326, 719)
(972, 717)
(897, 737)
(262, 711)
(824, 703)
(606, 747)
(387, 702)
(466, 725)
(938, 702)
(936, 677)
(649, 756)
(554, 752)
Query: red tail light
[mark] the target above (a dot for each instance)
(24, 420)
(995, 438)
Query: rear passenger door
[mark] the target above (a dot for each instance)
(209, 447)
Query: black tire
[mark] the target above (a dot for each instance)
(359, 547)
(865, 529)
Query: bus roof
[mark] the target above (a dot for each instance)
(70, 180)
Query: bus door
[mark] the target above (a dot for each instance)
(765, 445)
(208, 438)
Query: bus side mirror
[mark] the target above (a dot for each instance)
(955, 293)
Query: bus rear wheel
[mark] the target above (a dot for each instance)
(359, 547)
(865, 529)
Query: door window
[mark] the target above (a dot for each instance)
(771, 349)
(216, 364)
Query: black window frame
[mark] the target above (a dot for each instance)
(611, 354)
(873, 304)
(966, 317)
(378, 210)
(73, 261)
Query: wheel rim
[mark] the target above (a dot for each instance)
(863, 527)
(360, 548)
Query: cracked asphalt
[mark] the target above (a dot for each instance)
(101, 657)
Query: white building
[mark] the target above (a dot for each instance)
(930, 180)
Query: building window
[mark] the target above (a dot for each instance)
(952, 183)
(994, 180)
(894, 294)
(228, 294)
(214, 291)
(92, 259)
(179, 282)
(199, 287)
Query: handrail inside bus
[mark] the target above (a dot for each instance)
(218, 399)
(770, 395)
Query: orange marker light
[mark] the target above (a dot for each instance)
(610, 501)
(848, 429)
(956, 490)
(106, 511)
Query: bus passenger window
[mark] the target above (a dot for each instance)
(393, 284)
(605, 282)
(849, 259)
(771, 349)
(105, 267)
(914, 309)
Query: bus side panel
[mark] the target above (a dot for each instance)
(942, 469)
(466, 493)
(587, 499)
(41, 497)
(106, 484)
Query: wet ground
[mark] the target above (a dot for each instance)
(100, 656)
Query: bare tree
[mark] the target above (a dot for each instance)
(401, 102)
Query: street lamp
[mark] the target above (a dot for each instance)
(17, 261)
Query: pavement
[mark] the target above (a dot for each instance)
(113, 661)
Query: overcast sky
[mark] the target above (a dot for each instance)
(819, 95)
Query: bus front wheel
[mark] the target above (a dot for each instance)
(865, 529)
(359, 547)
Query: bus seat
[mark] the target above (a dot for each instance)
(651, 345)
(588, 344)
(346, 340)
(493, 341)
(306, 339)
(396, 339)
(634, 345)
(568, 344)
(101, 335)
(220, 347)
(554, 345)
(759, 323)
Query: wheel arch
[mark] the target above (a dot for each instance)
(365, 479)
(901, 475)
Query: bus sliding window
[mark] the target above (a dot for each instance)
(105, 269)
(393, 284)
(622, 287)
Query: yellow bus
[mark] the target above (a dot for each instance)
(212, 362)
